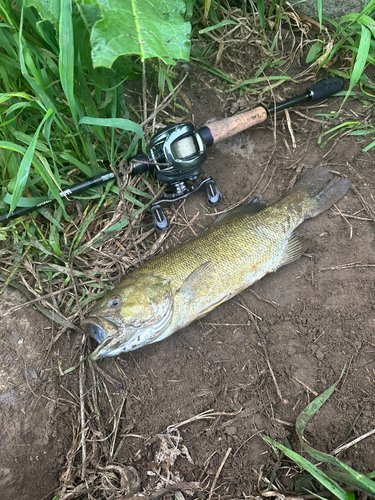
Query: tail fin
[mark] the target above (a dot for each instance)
(323, 186)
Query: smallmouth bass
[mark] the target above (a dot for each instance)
(175, 288)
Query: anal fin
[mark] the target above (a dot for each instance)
(294, 248)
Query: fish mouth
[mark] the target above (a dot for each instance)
(104, 350)
(99, 328)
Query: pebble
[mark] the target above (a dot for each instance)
(319, 354)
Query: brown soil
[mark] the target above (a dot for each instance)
(316, 315)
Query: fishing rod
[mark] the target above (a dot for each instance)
(176, 154)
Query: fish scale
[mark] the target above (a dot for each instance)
(174, 289)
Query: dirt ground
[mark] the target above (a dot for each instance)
(316, 315)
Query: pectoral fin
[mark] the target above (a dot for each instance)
(198, 278)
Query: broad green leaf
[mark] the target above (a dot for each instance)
(148, 28)
(48, 9)
(314, 51)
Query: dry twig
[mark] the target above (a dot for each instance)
(218, 472)
(352, 443)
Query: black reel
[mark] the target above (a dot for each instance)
(178, 152)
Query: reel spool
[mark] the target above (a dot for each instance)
(178, 152)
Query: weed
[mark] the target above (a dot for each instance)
(340, 472)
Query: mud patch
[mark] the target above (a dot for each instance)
(35, 431)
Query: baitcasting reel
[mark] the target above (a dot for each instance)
(177, 153)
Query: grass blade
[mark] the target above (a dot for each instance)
(260, 8)
(342, 473)
(218, 25)
(368, 147)
(23, 172)
(347, 475)
(357, 481)
(320, 12)
(121, 123)
(66, 58)
(320, 476)
(361, 59)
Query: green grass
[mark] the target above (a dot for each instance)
(353, 35)
(338, 473)
(62, 117)
(48, 88)
(221, 19)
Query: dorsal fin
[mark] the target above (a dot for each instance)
(250, 206)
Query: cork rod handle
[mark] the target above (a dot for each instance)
(228, 127)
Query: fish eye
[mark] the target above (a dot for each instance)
(114, 302)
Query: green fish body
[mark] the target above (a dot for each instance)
(239, 248)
